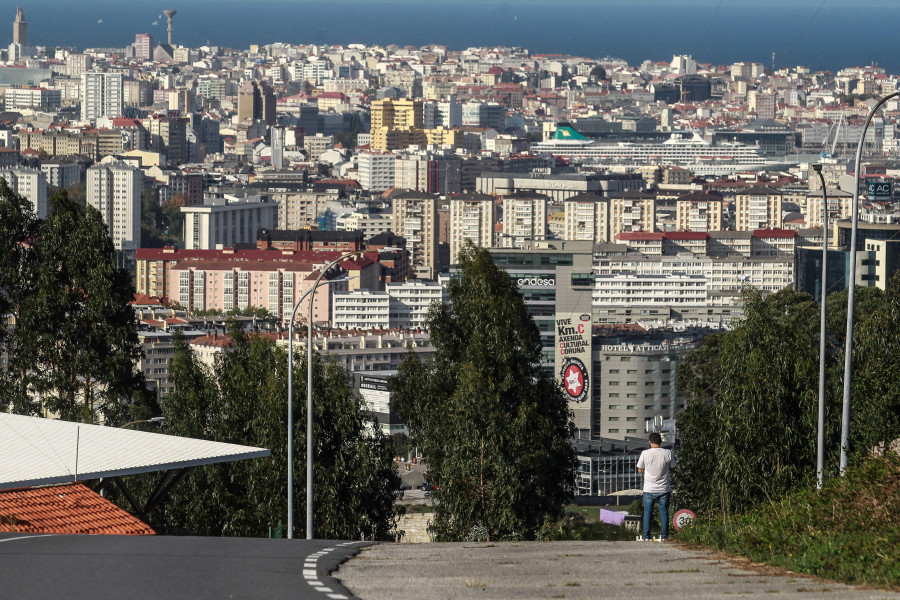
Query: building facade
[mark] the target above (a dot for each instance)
(115, 190)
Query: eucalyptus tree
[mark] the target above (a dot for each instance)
(241, 399)
(495, 429)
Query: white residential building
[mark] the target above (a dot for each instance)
(101, 95)
(376, 170)
(524, 219)
(361, 309)
(370, 223)
(411, 300)
(402, 305)
(61, 173)
(224, 222)
(586, 218)
(360, 351)
(472, 218)
(635, 286)
(114, 189)
(415, 219)
(30, 183)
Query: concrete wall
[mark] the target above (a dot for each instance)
(415, 528)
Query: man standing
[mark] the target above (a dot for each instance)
(656, 464)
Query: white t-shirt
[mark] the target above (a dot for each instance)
(656, 463)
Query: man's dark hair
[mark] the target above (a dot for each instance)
(655, 438)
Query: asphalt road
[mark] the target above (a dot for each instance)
(81, 567)
(574, 570)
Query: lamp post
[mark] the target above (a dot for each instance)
(820, 444)
(851, 296)
(290, 417)
(157, 420)
(309, 394)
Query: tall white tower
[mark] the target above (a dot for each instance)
(170, 14)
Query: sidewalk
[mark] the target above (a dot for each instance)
(572, 570)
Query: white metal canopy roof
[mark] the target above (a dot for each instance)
(36, 451)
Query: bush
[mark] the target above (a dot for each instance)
(850, 531)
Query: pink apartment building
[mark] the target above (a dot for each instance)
(237, 279)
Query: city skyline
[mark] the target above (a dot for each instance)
(821, 35)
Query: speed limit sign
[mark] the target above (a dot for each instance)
(683, 518)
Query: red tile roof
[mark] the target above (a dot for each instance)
(774, 233)
(639, 236)
(685, 235)
(68, 508)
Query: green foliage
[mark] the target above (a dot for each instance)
(242, 401)
(750, 425)
(18, 227)
(494, 428)
(574, 528)
(401, 444)
(850, 531)
(75, 341)
(598, 73)
(751, 443)
(77, 193)
(160, 225)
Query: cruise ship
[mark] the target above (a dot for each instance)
(692, 153)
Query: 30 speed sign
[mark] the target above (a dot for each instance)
(682, 518)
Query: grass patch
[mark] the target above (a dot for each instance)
(849, 531)
(575, 527)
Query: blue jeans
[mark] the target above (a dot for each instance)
(663, 499)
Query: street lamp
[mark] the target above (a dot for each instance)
(820, 445)
(290, 417)
(157, 420)
(851, 296)
(309, 394)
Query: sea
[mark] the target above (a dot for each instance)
(818, 34)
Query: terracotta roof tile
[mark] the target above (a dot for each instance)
(67, 508)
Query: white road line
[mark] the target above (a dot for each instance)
(310, 568)
(27, 537)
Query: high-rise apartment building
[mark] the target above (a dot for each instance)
(168, 136)
(78, 64)
(101, 95)
(586, 217)
(30, 183)
(397, 124)
(224, 222)
(631, 211)
(415, 219)
(143, 46)
(699, 211)
(256, 102)
(376, 170)
(397, 114)
(757, 208)
(472, 218)
(524, 219)
(114, 189)
(763, 104)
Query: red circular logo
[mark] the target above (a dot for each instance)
(574, 379)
